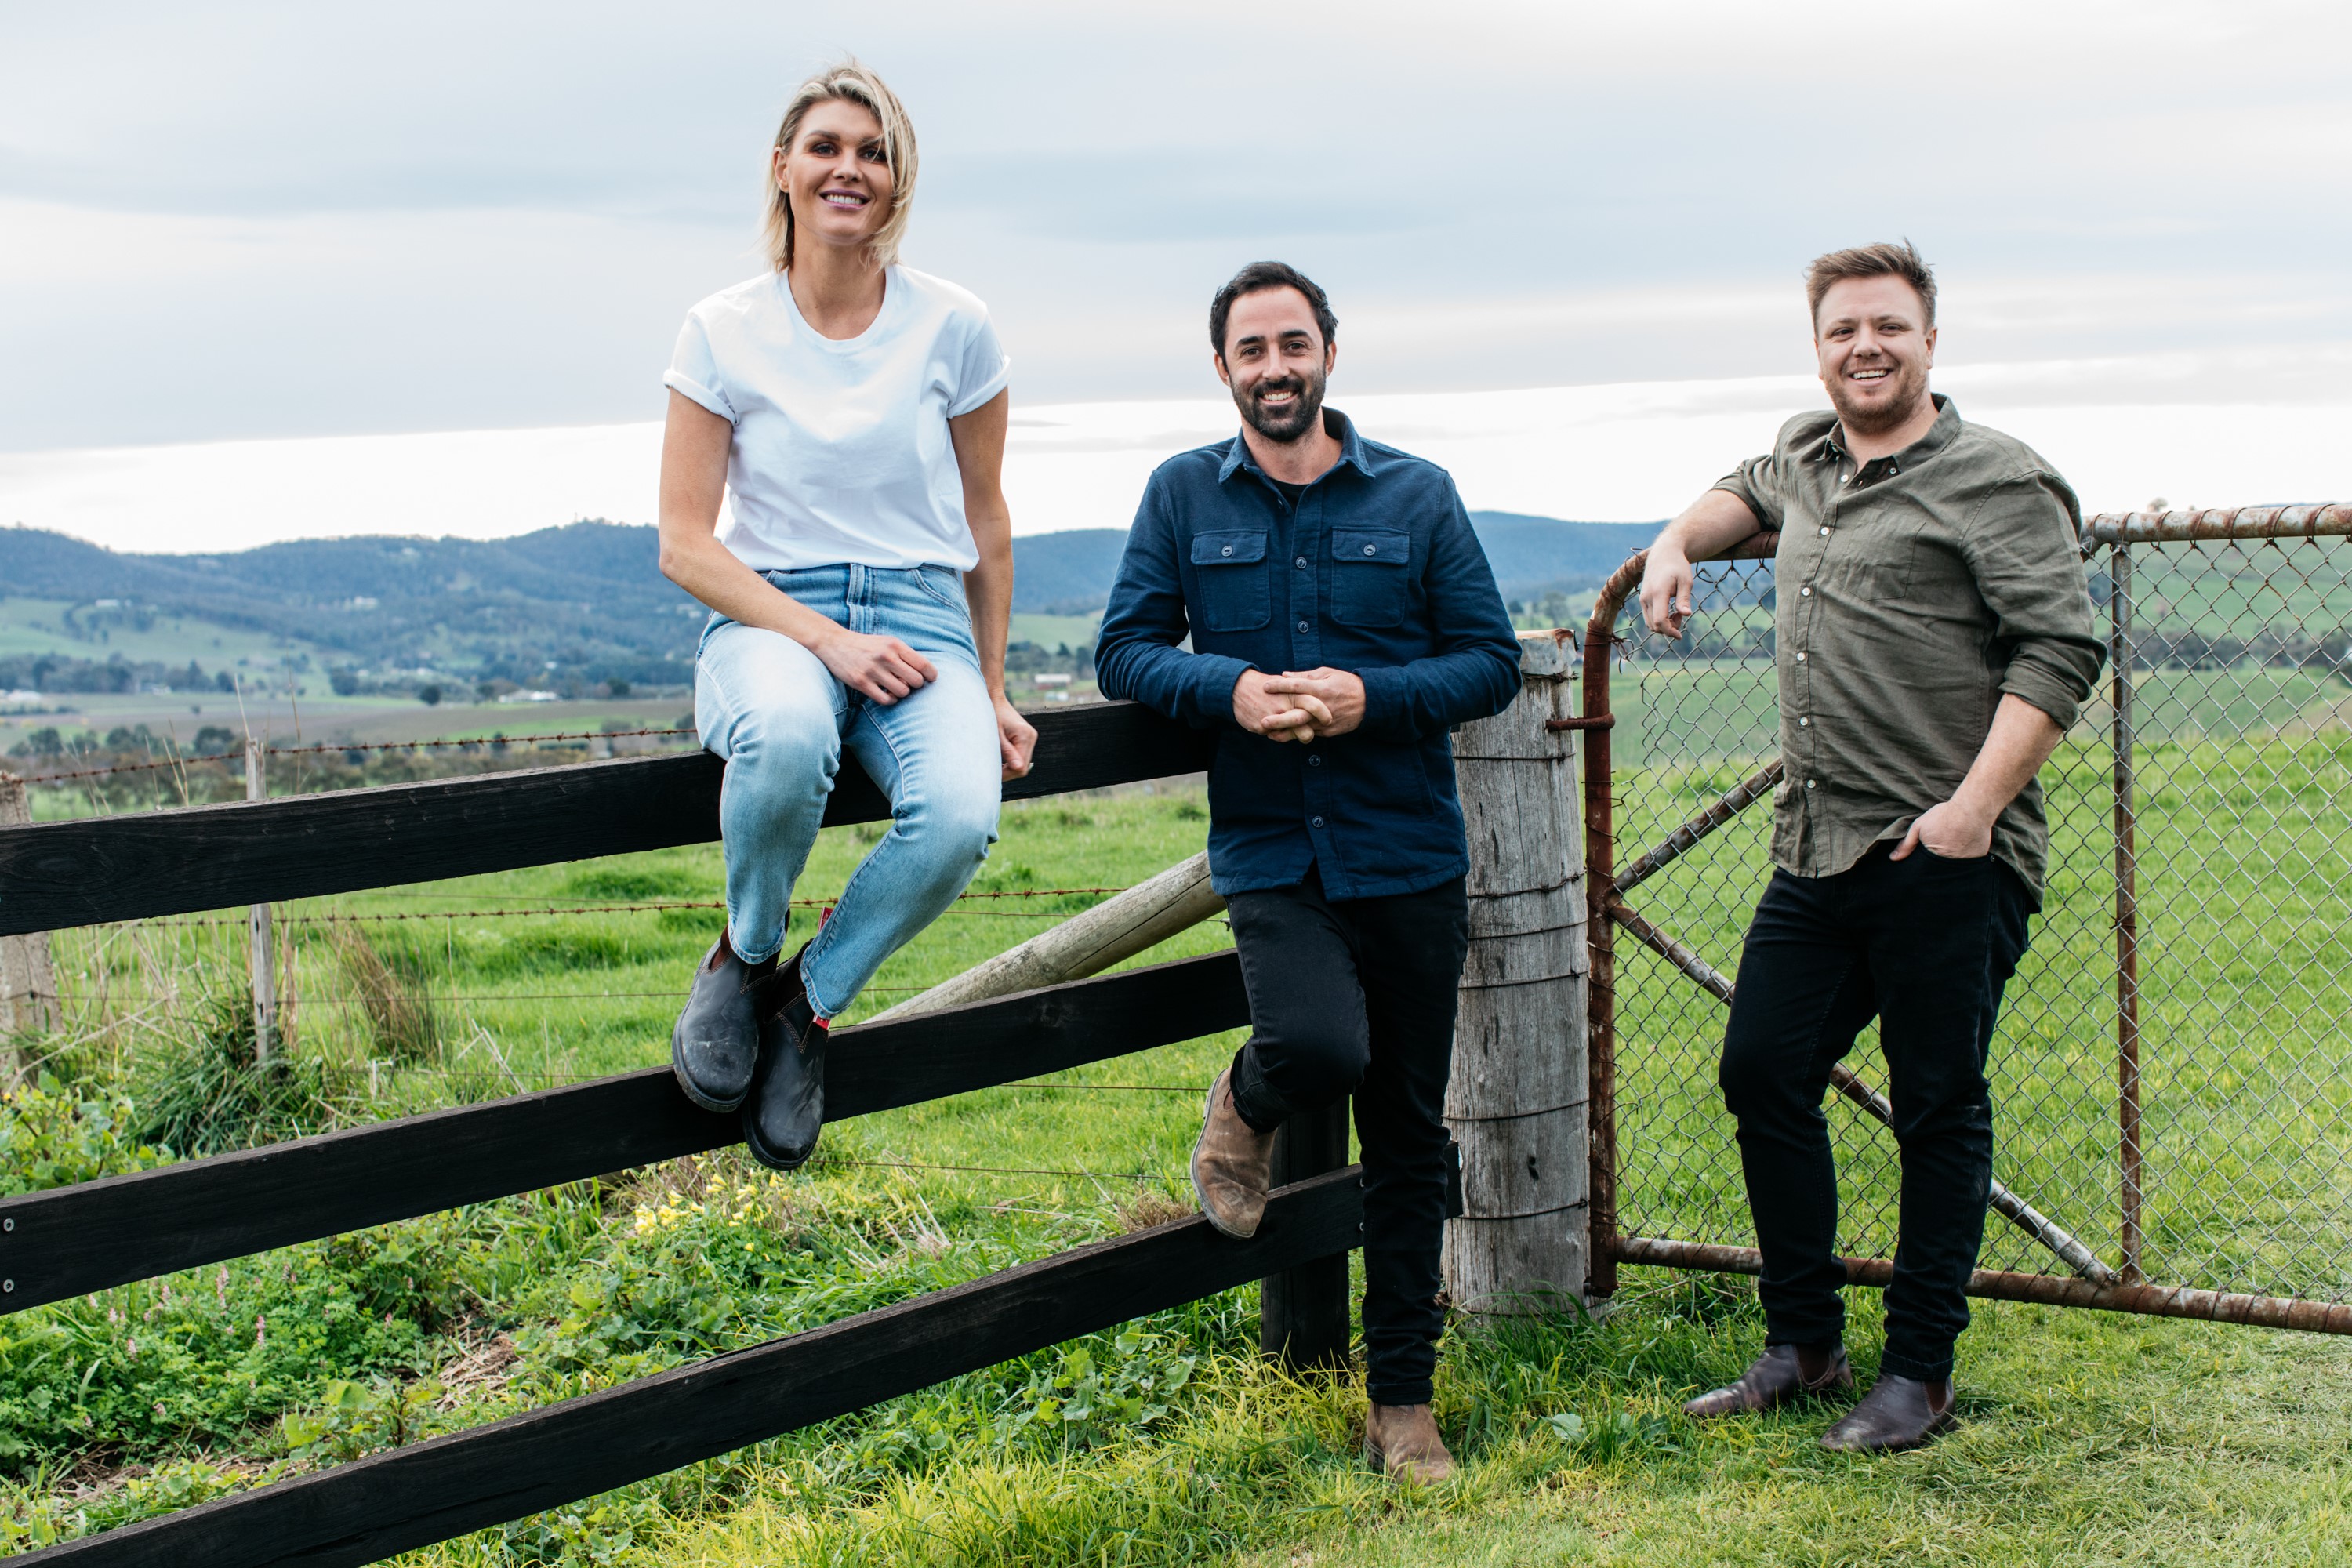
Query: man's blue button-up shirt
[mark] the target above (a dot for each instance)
(1374, 570)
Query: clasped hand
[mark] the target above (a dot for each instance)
(1299, 705)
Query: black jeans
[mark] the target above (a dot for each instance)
(1357, 997)
(1924, 944)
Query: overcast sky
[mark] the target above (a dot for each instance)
(239, 221)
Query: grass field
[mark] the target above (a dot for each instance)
(2244, 793)
(2090, 1438)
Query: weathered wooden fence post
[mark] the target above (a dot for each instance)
(1302, 1313)
(28, 987)
(263, 958)
(1517, 1104)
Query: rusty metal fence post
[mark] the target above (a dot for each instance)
(2119, 603)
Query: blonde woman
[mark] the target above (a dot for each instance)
(854, 409)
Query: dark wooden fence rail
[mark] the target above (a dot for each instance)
(101, 1233)
(56, 874)
(429, 1491)
(69, 1240)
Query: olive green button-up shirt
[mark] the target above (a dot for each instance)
(1914, 591)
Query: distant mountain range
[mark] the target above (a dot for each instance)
(579, 604)
(1071, 574)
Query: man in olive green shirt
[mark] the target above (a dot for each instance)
(1934, 641)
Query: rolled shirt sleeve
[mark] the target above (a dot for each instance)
(694, 370)
(2023, 548)
(984, 371)
(1755, 482)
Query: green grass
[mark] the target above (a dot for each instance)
(39, 625)
(2245, 898)
(1050, 632)
(2089, 1438)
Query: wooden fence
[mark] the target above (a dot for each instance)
(101, 1233)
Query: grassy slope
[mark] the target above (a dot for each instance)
(2091, 1438)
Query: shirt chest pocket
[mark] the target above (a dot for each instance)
(1235, 595)
(1370, 584)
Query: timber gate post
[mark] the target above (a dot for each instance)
(28, 987)
(1302, 1313)
(262, 956)
(1517, 1102)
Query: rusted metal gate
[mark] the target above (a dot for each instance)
(2172, 1077)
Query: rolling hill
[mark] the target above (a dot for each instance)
(573, 606)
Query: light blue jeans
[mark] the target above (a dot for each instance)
(775, 714)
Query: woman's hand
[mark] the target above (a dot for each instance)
(1016, 738)
(883, 668)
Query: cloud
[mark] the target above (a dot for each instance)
(273, 218)
(2225, 435)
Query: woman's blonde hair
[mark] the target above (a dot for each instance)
(847, 82)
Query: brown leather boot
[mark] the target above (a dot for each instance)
(1898, 1413)
(1403, 1440)
(1232, 1164)
(1781, 1375)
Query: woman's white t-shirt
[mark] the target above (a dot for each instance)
(842, 452)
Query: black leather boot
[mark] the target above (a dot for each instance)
(785, 1109)
(1898, 1413)
(1780, 1376)
(715, 1045)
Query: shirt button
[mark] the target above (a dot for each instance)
(1313, 761)
(1804, 724)
(1229, 549)
(1825, 532)
(1313, 821)
(1809, 784)
(1800, 658)
(1300, 563)
(1371, 549)
(1804, 592)
(1302, 626)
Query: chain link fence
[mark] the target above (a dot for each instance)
(2172, 1080)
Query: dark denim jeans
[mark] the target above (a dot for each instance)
(1925, 945)
(1357, 997)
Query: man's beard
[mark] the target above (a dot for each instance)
(1288, 426)
(1910, 391)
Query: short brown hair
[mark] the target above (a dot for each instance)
(1882, 261)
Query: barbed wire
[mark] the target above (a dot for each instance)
(491, 742)
(1099, 1176)
(655, 906)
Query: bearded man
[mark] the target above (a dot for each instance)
(1341, 619)
(1934, 641)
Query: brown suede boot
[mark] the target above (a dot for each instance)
(1232, 1165)
(1781, 1375)
(1403, 1440)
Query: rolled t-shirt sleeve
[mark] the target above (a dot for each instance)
(694, 370)
(983, 371)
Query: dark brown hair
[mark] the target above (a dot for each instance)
(1257, 279)
(1882, 261)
